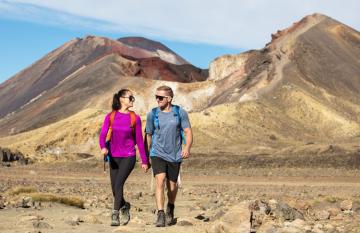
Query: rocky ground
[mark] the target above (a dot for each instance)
(208, 201)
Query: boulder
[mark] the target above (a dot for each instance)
(346, 205)
(235, 220)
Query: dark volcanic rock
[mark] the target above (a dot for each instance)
(7, 156)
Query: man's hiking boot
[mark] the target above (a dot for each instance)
(115, 221)
(169, 214)
(125, 213)
(160, 222)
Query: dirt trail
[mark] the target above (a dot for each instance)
(200, 195)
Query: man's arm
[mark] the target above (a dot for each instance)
(148, 139)
(149, 130)
(189, 141)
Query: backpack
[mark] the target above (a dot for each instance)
(176, 111)
(109, 133)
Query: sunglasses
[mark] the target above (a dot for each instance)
(131, 98)
(159, 97)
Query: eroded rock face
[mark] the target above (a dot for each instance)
(226, 65)
(157, 69)
(156, 48)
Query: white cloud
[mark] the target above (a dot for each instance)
(232, 23)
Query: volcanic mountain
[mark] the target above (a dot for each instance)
(82, 72)
(301, 92)
(304, 83)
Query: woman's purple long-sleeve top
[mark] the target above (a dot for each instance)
(122, 143)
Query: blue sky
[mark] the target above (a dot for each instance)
(197, 30)
(23, 43)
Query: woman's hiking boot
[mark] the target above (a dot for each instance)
(125, 213)
(115, 221)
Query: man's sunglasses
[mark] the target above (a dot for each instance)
(131, 98)
(159, 97)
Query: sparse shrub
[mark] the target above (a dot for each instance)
(206, 113)
(331, 199)
(272, 137)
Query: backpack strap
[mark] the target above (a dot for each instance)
(155, 117)
(133, 122)
(112, 117)
(176, 110)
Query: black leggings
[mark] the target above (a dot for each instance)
(120, 169)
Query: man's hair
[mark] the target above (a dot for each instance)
(167, 89)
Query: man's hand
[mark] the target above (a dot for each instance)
(189, 139)
(145, 167)
(185, 153)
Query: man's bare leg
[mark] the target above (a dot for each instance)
(159, 192)
(172, 189)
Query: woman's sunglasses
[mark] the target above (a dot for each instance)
(131, 98)
(159, 97)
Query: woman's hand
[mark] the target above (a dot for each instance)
(145, 167)
(104, 151)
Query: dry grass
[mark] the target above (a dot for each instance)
(45, 197)
(66, 200)
(331, 199)
(21, 189)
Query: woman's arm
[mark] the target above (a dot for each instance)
(140, 141)
(103, 132)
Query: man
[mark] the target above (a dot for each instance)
(167, 127)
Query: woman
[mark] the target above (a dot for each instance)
(126, 132)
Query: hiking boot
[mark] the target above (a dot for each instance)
(160, 222)
(169, 216)
(125, 213)
(115, 221)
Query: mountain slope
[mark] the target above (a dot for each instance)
(83, 70)
(299, 94)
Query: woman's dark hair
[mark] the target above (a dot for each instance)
(116, 105)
